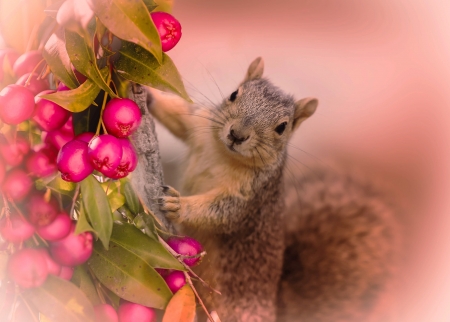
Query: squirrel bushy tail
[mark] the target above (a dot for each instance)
(342, 246)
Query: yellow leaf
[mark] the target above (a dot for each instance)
(181, 307)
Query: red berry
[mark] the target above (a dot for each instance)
(86, 137)
(169, 29)
(41, 212)
(133, 312)
(53, 267)
(56, 138)
(16, 104)
(49, 115)
(121, 117)
(128, 162)
(66, 273)
(35, 85)
(68, 126)
(105, 152)
(57, 229)
(15, 229)
(105, 313)
(175, 280)
(73, 249)
(40, 165)
(17, 184)
(27, 62)
(11, 56)
(186, 246)
(13, 152)
(73, 161)
(62, 87)
(28, 268)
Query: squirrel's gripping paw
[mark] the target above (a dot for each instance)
(170, 204)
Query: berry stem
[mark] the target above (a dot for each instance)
(29, 308)
(32, 72)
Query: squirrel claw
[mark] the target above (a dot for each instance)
(170, 191)
(170, 203)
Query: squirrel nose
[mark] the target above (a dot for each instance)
(237, 138)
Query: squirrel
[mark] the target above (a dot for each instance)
(322, 254)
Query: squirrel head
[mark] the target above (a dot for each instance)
(258, 119)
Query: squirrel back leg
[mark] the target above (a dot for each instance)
(342, 243)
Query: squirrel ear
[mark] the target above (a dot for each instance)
(304, 108)
(255, 70)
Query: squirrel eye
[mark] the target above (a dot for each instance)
(233, 95)
(280, 128)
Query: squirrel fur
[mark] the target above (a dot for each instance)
(322, 255)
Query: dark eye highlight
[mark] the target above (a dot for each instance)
(280, 128)
(233, 96)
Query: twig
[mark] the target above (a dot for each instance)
(74, 199)
(189, 281)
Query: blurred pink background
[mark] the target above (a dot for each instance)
(380, 70)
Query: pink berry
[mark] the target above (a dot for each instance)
(73, 161)
(57, 229)
(9, 54)
(86, 137)
(48, 115)
(27, 62)
(169, 29)
(53, 267)
(73, 249)
(40, 165)
(14, 152)
(35, 85)
(105, 152)
(62, 87)
(105, 313)
(28, 268)
(133, 312)
(56, 138)
(128, 162)
(16, 104)
(121, 117)
(66, 273)
(68, 127)
(17, 184)
(186, 246)
(16, 229)
(40, 212)
(175, 280)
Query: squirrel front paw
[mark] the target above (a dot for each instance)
(170, 204)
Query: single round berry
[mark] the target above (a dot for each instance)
(169, 29)
(86, 137)
(105, 152)
(48, 115)
(27, 62)
(186, 246)
(15, 229)
(53, 267)
(121, 117)
(35, 85)
(57, 229)
(16, 104)
(14, 152)
(133, 312)
(73, 249)
(40, 165)
(28, 268)
(105, 313)
(175, 280)
(128, 162)
(66, 273)
(17, 184)
(40, 211)
(73, 161)
(56, 138)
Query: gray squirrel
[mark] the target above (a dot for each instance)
(305, 248)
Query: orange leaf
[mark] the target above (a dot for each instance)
(181, 307)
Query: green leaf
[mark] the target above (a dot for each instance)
(61, 186)
(60, 300)
(84, 282)
(83, 223)
(97, 208)
(181, 307)
(130, 20)
(83, 58)
(151, 5)
(131, 197)
(146, 223)
(128, 276)
(138, 65)
(78, 99)
(55, 54)
(148, 249)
